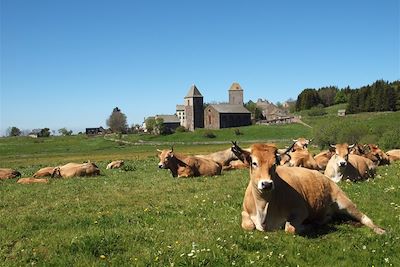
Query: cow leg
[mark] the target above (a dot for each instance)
(247, 223)
(347, 207)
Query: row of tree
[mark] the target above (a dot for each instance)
(45, 132)
(380, 96)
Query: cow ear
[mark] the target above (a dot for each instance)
(241, 154)
(332, 148)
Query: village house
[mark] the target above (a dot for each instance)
(214, 116)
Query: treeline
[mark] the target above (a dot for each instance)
(380, 96)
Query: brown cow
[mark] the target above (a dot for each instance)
(187, 166)
(393, 154)
(290, 197)
(8, 173)
(76, 169)
(300, 158)
(43, 172)
(374, 150)
(31, 180)
(323, 158)
(300, 144)
(115, 164)
(223, 157)
(348, 166)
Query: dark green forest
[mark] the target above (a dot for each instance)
(379, 96)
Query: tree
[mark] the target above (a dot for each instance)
(150, 124)
(117, 121)
(327, 95)
(256, 112)
(340, 97)
(45, 132)
(65, 132)
(14, 131)
(307, 99)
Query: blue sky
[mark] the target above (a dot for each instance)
(68, 63)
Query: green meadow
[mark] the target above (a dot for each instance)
(141, 216)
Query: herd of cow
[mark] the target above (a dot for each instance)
(288, 188)
(65, 171)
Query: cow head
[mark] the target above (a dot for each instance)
(56, 172)
(342, 154)
(378, 153)
(165, 157)
(300, 143)
(262, 160)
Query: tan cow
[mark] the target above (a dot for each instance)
(43, 172)
(374, 150)
(290, 197)
(300, 158)
(76, 169)
(344, 165)
(393, 154)
(8, 173)
(31, 180)
(323, 158)
(300, 144)
(115, 164)
(187, 166)
(223, 157)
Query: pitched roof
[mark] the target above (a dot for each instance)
(180, 107)
(235, 87)
(228, 108)
(169, 118)
(193, 92)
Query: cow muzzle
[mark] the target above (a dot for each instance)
(161, 166)
(342, 164)
(265, 185)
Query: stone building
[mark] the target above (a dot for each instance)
(194, 109)
(225, 116)
(233, 114)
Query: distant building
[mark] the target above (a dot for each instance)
(270, 111)
(180, 112)
(95, 131)
(341, 112)
(235, 94)
(170, 122)
(194, 109)
(219, 116)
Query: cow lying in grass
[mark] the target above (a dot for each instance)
(323, 158)
(115, 164)
(187, 166)
(8, 173)
(344, 165)
(76, 169)
(224, 158)
(290, 197)
(393, 155)
(43, 172)
(31, 180)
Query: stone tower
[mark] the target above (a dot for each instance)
(194, 109)
(235, 94)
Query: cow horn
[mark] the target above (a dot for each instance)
(172, 148)
(294, 140)
(351, 146)
(159, 150)
(332, 146)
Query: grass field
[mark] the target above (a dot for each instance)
(144, 217)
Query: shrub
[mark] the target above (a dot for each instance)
(238, 132)
(209, 134)
(180, 129)
(316, 111)
(390, 140)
